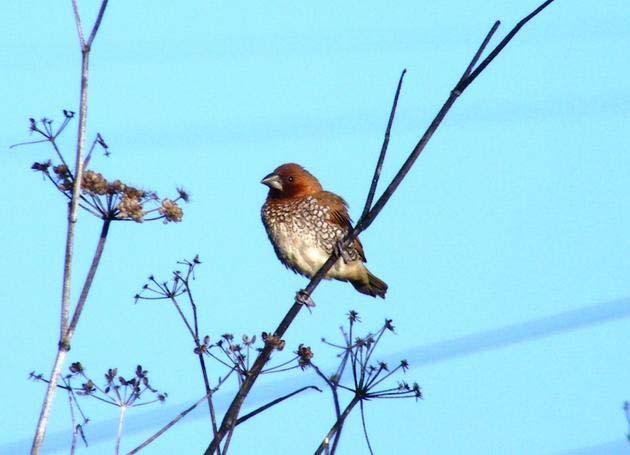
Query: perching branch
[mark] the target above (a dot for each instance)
(231, 416)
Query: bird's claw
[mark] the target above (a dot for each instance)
(303, 298)
(341, 252)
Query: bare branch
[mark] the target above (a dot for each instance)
(88, 281)
(365, 433)
(166, 427)
(381, 157)
(273, 403)
(337, 426)
(77, 21)
(97, 24)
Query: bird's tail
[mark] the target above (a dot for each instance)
(373, 286)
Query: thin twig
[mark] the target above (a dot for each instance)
(482, 66)
(365, 433)
(166, 427)
(273, 403)
(97, 24)
(77, 21)
(337, 425)
(73, 443)
(181, 314)
(202, 362)
(88, 281)
(381, 157)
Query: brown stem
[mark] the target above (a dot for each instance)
(337, 426)
(202, 362)
(381, 157)
(88, 282)
(273, 403)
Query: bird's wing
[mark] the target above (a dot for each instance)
(339, 215)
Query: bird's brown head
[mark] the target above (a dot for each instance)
(291, 181)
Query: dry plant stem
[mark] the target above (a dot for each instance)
(202, 362)
(73, 443)
(365, 433)
(166, 427)
(381, 157)
(121, 422)
(204, 372)
(64, 345)
(333, 388)
(88, 281)
(337, 426)
(231, 415)
(72, 219)
(228, 439)
(273, 403)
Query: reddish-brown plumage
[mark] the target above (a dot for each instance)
(304, 224)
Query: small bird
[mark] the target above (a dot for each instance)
(305, 224)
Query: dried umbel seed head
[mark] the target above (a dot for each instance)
(88, 387)
(304, 356)
(353, 316)
(94, 183)
(171, 211)
(130, 207)
(183, 194)
(42, 167)
(76, 367)
(115, 187)
(65, 185)
(61, 171)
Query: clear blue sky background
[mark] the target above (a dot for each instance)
(518, 209)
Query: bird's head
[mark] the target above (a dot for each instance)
(290, 181)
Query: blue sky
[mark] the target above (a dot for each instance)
(517, 210)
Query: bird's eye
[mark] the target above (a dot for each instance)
(290, 178)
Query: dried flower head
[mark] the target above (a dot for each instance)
(76, 367)
(171, 211)
(130, 206)
(353, 316)
(304, 356)
(41, 167)
(273, 340)
(62, 171)
(183, 194)
(94, 183)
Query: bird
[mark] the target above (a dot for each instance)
(305, 224)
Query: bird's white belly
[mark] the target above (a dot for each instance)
(301, 251)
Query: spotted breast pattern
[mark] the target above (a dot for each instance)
(304, 233)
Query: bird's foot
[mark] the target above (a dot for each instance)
(303, 298)
(341, 252)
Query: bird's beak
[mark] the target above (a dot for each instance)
(272, 181)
